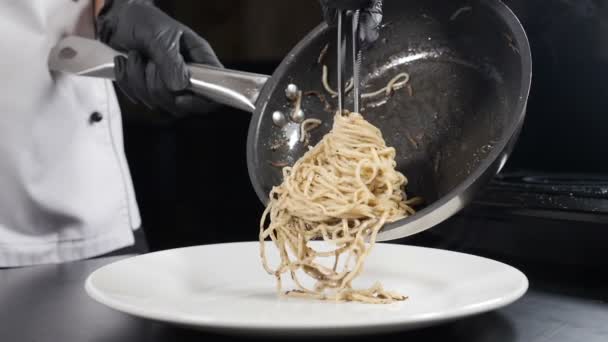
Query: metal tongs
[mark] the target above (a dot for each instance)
(343, 31)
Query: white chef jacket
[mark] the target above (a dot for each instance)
(65, 187)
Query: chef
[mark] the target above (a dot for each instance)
(65, 187)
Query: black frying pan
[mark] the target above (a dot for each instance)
(470, 69)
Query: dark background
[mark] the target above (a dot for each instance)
(189, 172)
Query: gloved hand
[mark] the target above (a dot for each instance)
(370, 17)
(158, 47)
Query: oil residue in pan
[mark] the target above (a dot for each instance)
(450, 122)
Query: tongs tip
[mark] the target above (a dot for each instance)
(356, 59)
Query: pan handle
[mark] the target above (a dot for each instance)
(88, 57)
(233, 88)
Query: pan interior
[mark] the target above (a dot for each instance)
(465, 82)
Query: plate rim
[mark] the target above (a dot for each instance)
(400, 323)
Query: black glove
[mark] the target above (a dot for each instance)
(370, 17)
(158, 47)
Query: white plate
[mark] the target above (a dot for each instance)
(224, 288)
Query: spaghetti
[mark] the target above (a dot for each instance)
(343, 190)
(399, 81)
(308, 125)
